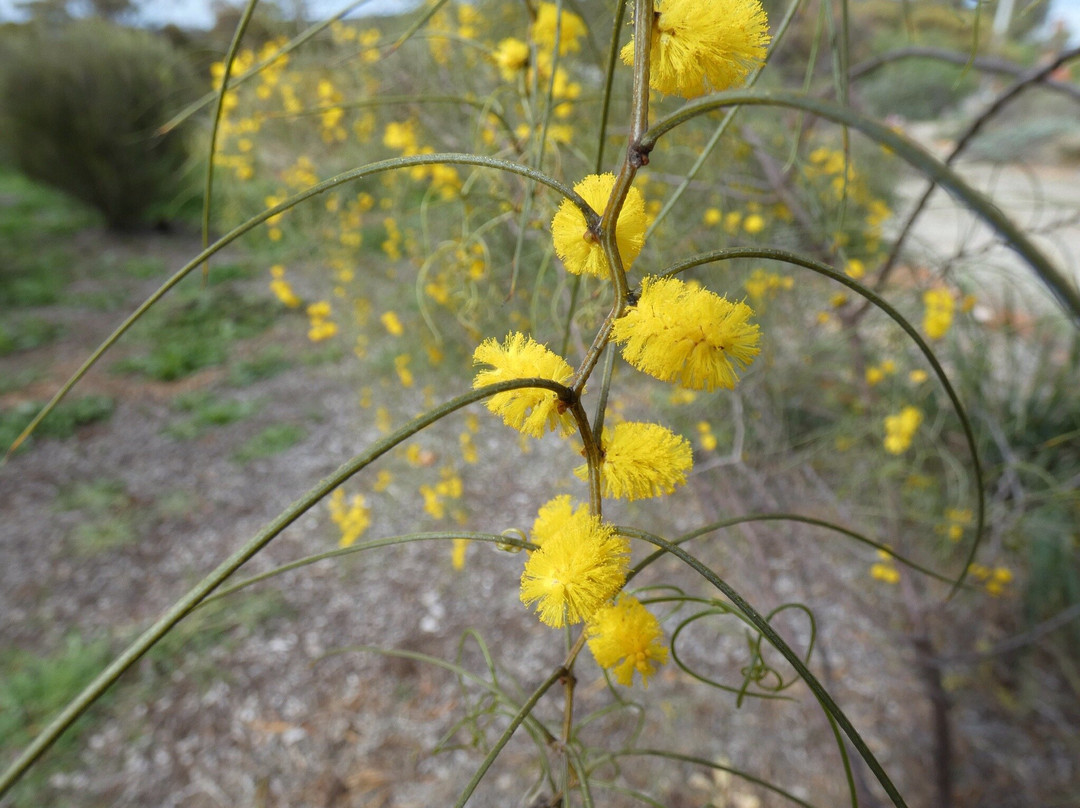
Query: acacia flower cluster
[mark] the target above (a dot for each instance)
(682, 332)
(580, 565)
(528, 410)
(699, 47)
(625, 637)
(578, 248)
(939, 312)
(900, 429)
(641, 460)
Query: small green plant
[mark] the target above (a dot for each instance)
(205, 411)
(33, 688)
(62, 422)
(270, 441)
(267, 364)
(195, 332)
(108, 520)
(25, 333)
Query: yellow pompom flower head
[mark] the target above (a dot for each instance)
(939, 312)
(581, 564)
(511, 56)
(641, 460)
(528, 410)
(578, 247)
(568, 25)
(901, 428)
(701, 46)
(552, 517)
(681, 332)
(626, 637)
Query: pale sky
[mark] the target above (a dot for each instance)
(197, 13)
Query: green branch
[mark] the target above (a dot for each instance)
(1063, 289)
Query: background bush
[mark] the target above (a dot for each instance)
(82, 107)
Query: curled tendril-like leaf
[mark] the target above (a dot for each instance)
(757, 663)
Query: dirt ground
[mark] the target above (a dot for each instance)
(274, 700)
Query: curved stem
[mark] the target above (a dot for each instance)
(986, 64)
(375, 544)
(823, 269)
(789, 517)
(182, 607)
(827, 702)
(348, 176)
(208, 182)
(962, 142)
(711, 764)
(1066, 293)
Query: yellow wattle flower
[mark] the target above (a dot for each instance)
(900, 429)
(681, 332)
(580, 565)
(511, 56)
(939, 312)
(528, 410)
(626, 637)
(352, 520)
(641, 460)
(579, 251)
(701, 46)
(570, 29)
(552, 517)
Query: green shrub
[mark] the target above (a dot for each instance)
(83, 104)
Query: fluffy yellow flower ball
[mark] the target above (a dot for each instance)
(528, 410)
(701, 46)
(641, 460)
(580, 565)
(580, 252)
(901, 428)
(681, 332)
(624, 638)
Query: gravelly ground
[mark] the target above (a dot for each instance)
(283, 709)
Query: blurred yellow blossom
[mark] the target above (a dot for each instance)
(352, 520)
(939, 312)
(900, 429)
(855, 268)
(568, 26)
(391, 323)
